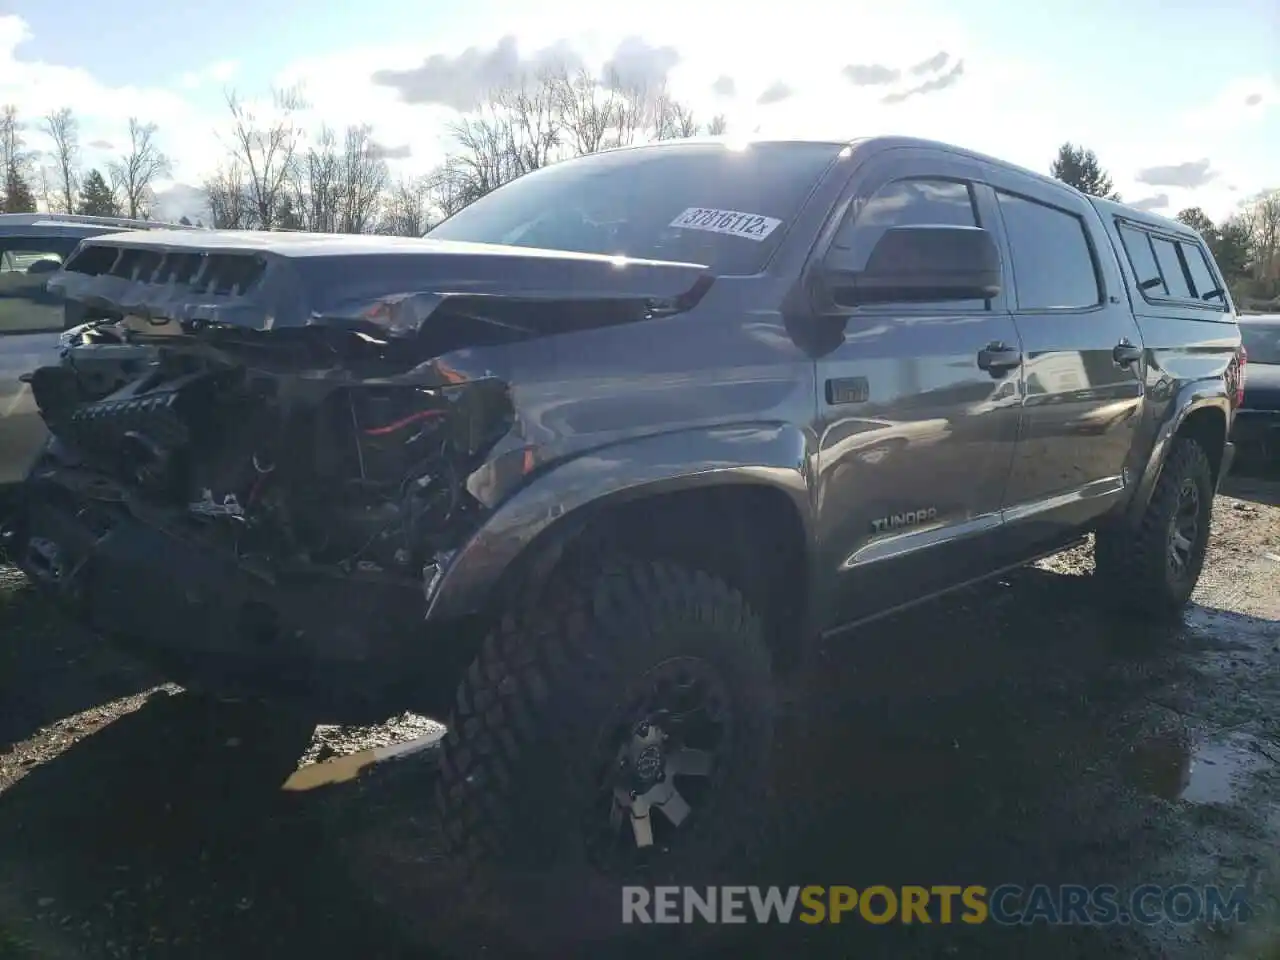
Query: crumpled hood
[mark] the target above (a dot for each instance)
(266, 280)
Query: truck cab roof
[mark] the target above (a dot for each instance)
(1128, 212)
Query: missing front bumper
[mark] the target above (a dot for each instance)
(207, 619)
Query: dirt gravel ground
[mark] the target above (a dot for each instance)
(1014, 733)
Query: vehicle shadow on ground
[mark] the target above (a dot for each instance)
(166, 834)
(988, 739)
(50, 671)
(981, 740)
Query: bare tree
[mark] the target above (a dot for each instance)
(487, 157)
(533, 114)
(364, 178)
(450, 187)
(227, 195)
(542, 119)
(332, 190)
(1261, 217)
(15, 163)
(631, 113)
(341, 184)
(718, 126)
(47, 199)
(64, 130)
(265, 149)
(407, 212)
(671, 119)
(12, 144)
(314, 183)
(135, 171)
(588, 112)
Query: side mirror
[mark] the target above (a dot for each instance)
(914, 264)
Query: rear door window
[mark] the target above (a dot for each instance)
(26, 264)
(1053, 265)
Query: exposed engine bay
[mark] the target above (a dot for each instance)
(288, 468)
(265, 454)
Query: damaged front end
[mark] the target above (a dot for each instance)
(249, 499)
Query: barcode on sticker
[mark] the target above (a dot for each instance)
(733, 222)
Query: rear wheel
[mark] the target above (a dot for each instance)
(1154, 568)
(618, 736)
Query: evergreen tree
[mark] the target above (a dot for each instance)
(287, 216)
(18, 195)
(1233, 248)
(1079, 167)
(97, 199)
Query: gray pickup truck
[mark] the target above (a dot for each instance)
(595, 464)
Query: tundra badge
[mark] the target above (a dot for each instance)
(911, 518)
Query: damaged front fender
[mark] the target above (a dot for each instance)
(557, 504)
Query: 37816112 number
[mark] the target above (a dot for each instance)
(752, 226)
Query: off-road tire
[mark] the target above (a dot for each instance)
(514, 776)
(1132, 564)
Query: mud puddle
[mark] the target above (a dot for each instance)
(1214, 772)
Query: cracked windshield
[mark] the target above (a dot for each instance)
(584, 480)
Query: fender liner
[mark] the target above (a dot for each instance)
(534, 524)
(1190, 398)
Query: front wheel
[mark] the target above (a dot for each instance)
(1154, 568)
(619, 735)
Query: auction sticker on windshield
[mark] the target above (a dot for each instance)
(733, 222)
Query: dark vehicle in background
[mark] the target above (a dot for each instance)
(32, 319)
(593, 466)
(1257, 424)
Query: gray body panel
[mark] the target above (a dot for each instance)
(1008, 477)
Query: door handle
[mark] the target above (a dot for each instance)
(998, 357)
(1125, 353)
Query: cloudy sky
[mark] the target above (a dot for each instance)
(1180, 98)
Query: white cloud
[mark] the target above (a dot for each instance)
(38, 88)
(775, 93)
(1189, 174)
(218, 73)
(223, 70)
(1159, 201)
(1004, 104)
(1241, 102)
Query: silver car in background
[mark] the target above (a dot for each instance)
(32, 247)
